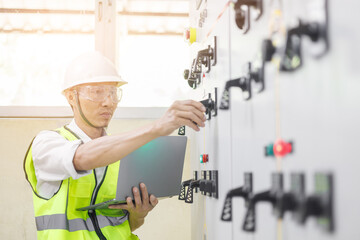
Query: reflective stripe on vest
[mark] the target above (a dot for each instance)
(60, 221)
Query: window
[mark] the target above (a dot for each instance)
(153, 66)
(32, 66)
(37, 42)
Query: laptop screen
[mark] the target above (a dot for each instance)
(159, 164)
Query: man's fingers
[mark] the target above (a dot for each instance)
(119, 206)
(153, 200)
(189, 113)
(189, 123)
(192, 117)
(144, 193)
(195, 104)
(137, 197)
(194, 110)
(129, 205)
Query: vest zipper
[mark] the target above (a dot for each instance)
(92, 213)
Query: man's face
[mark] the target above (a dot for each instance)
(98, 102)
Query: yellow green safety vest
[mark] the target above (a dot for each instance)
(57, 218)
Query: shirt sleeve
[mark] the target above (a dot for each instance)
(53, 161)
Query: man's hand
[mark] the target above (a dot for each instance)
(138, 212)
(189, 113)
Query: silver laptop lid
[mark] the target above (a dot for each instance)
(159, 164)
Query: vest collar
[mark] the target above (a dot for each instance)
(75, 128)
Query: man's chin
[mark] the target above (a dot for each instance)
(102, 123)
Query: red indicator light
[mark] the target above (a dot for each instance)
(205, 158)
(282, 148)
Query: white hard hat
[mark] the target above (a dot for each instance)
(91, 67)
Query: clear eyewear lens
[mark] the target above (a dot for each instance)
(100, 93)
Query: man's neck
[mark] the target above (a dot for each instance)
(90, 131)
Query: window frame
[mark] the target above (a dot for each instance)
(66, 112)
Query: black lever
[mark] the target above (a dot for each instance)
(316, 31)
(290, 201)
(183, 190)
(257, 76)
(210, 105)
(249, 224)
(193, 76)
(190, 191)
(185, 184)
(243, 192)
(209, 187)
(212, 184)
(292, 58)
(319, 204)
(206, 57)
(267, 50)
(243, 83)
(242, 17)
(181, 130)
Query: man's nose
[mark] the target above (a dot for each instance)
(108, 100)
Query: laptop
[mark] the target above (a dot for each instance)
(159, 164)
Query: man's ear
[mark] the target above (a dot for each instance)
(70, 96)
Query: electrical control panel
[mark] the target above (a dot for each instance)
(278, 153)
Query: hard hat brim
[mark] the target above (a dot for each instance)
(101, 79)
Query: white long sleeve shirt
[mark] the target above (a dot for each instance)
(53, 160)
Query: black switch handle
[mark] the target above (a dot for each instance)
(267, 50)
(207, 186)
(190, 192)
(193, 76)
(243, 83)
(226, 214)
(243, 192)
(316, 31)
(181, 131)
(210, 105)
(249, 224)
(183, 190)
(320, 203)
(257, 76)
(290, 201)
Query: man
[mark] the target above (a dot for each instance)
(77, 165)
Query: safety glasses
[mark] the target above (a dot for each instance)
(100, 93)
